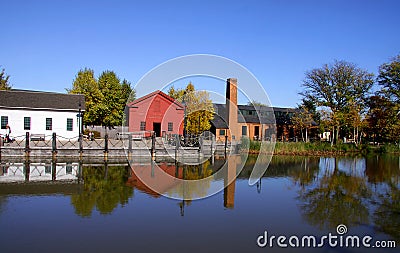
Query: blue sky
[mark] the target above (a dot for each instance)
(44, 43)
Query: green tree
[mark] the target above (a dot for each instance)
(4, 84)
(199, 108)
(335, 87)
(111, 114)
(105, 98)
(389, 79)
(85, 83)
(128, 93)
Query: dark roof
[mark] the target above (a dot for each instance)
(258, 114)
(219, 120)
(27, 99)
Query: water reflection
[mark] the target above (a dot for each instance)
(38, 171)
(330, 191)
(104, 189)
(338, 196)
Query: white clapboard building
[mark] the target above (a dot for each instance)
(41, 113)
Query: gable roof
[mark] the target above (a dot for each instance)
(219, 121)
(157, 92)
(40, 100)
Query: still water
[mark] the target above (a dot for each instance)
(104, 207)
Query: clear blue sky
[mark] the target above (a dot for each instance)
(43, 44)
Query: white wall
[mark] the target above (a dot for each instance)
(16, 172)
(38, 123)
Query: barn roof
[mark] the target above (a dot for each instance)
(157, 92)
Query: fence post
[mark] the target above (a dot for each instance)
(81, 143)
(54, 145)
(153, 144)
(200, 143)
(177, 143)
(1, 144)
(106, 146)
(129, 146)
(27, 149)
(212, 144)
(226, 143)
(27, 169)
(54, 170)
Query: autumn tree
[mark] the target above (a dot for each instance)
(199, 108)
(382, 118)
(385, 107)
(335, 87)
(4, 83)
(389, 79)
(303, 119)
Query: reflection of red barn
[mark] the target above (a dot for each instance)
(156, 112)
(155, 177)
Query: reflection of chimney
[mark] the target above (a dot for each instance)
(231, 107)
(230, 181)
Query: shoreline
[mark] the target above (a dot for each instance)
(324, 149)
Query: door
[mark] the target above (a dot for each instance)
(256, 132)
(157, 128)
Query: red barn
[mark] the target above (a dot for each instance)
(156, 112)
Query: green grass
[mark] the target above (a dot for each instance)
(318, 148)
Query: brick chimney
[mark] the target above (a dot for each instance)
(231, 108)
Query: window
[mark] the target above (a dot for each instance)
(222, 132)
(170, 126)
(49, 123)
(27, 123)
(4, 122)
(244, 130)
(47, 169)
(142, 126)
(68, 168)
(70, 123)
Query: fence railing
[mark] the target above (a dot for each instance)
(128, 141)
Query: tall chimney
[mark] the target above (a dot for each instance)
(231, 108)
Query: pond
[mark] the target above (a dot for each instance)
(106, 207)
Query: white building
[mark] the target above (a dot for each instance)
(41, 113)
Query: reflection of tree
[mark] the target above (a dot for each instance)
(338, 198)
(307, 173)
(387, 216)
(384, 173)
(193, 172)
(104, 188)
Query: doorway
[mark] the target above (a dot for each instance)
(257, 132)
(157, 128)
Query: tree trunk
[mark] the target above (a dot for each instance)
(333, 135)
(306, 135)
(337, 134)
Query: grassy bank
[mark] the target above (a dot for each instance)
(322, 148)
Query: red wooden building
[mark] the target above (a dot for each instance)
(156, 112)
